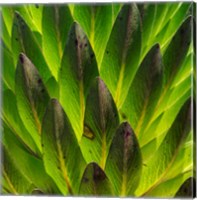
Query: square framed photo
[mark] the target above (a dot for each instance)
(98, 99)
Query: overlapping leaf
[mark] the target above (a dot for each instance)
(148, 90)
(12, 119)
(100, 123)
(32, 97)
(78, 70)
(56, 22)
(122, 53)
(13, 181)
(30, 166)
(172, 62)
(156, 168)
(144, 91)
(62, 156)
(91, 18)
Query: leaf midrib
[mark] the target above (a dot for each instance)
(10, 183)
(123, 60)
(61, 157)
(63, 167)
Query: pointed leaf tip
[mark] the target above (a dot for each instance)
(32, 96)
(95, 181)
(58, 141)
(21, 58)
(78, 71)
(101, 122)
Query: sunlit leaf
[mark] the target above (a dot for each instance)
(78, 70)
(122, 53)
(154, 172)
(56, 22)
(14, 122)
(100, 123)
(59, 143)
(90, 18)
(144, 91)
(32, 97)
(24, 41)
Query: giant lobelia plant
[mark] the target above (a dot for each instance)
(97, 99)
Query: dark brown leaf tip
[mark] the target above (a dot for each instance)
(98, 174)
(54, 102)
(22, 58)
(127, 130)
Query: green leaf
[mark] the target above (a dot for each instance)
(165, 119)
(16, 182)
(56, 22)
(122, 53)
(4, 33)
(124, 162)
(184, 159)
(167, 20)
(176, 51)
(78, 70)
(168, 188)
(24, 41)
(32, 97)
(12, 119)
(173, 60)
(187, 189)
(26, 14)
(95, 182)
(90, 17)
(30, 167)
(8, 68)
(36, 13)
(147, 13)
(53, 87)
(157, 167)
(178, 15)
(7, 16)
(62, 156)
(144, 91)
(100, 123)
(181, 168)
